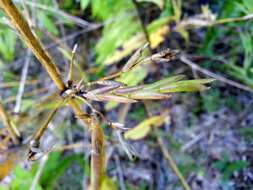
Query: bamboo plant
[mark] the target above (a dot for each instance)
(103, 89)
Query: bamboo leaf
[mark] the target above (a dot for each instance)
(142, 129)
(186, 86)
(84, 4)
(148, 95)
(109, 97)
(163, 82)
(183, 88)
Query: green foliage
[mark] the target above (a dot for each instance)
(55, 168)
(84, 4)
(227, 168)
(247, 133)
(120, 15)
(211, 100)
(138, 113)
(243, 38)
(19, 183)
(48, 23)
(8, 41)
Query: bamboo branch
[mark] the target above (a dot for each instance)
(97, 155)
(37, 48)
(42, 55)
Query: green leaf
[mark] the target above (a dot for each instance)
(115, 34)
(84, 4)
(48, 23)
(186, 86)
(19, 183)
(55, 167)
(163, 82)
(248, 49)
(8, 41)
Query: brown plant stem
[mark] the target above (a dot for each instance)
(33, 43)
(43, 128)
(167, 154)
(172, 163)
(97, 155)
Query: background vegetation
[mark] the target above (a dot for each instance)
(209, 134)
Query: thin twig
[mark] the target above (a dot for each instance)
(17, 83)
(237, 19)
(97, 167)
(22, 83)
(78, 21)
(192, 142)
(42, 55)
(172, 163)
(120, 173)
(167, 154)
(39, 172)
(71, 147)
(144, 28)
(194, 66)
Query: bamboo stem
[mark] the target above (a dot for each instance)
(37, 48)
(97, 155)
(97, 167)
(43, 128)
(22, 26)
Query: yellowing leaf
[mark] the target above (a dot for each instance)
(158, 37)
(128, 47)
(142, 129)
(108, 184)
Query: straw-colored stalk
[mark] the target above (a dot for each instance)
(43, 56)
(97, 155)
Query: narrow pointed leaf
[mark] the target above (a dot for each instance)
(125, 90)
(134, 59)
(196, 81)
(164, 82)
(142, 129)
(148, 95)
(109, 97)
(186, 86)
(183, 88)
